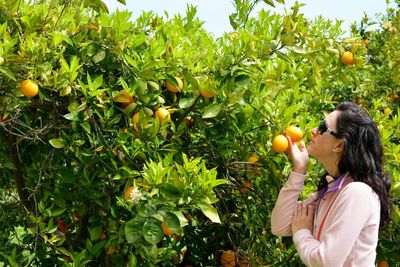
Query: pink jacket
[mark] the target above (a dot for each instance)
(349, 235)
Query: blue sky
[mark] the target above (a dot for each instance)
(216, 13)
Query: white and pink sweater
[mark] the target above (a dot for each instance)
(349, 234)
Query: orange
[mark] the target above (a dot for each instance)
(161, 113)
(348, 58)
(252, 159)
(228, 258)
(207, 93)
(136, 120)
(172, 88)
(387, 111)
(383, 263)
(62, 226)
(366, 42)
(29, 88)
(245, 263)
(111, 250)
(280, 144)
(295, 133)
(254, 166)
(394, 97)
(124, 98)
(166, 230)
(102, 236)
(76, 217)
(248, 184)
(128, 192)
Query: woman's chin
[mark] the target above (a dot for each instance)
(310, 150)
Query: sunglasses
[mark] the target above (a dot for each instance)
(323, 127)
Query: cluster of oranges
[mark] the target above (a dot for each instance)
(280, 142)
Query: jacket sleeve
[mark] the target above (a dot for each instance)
(282, 214)
(349, 214)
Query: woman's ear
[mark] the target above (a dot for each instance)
(338, 147)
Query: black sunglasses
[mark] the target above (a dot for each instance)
(323, 127)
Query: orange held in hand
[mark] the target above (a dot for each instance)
(295, 133)
(280, 144)
(29, 88)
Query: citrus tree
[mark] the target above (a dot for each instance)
(150, 142)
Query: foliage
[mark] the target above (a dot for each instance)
(69, 155)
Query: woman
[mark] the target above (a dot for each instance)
(339, 224)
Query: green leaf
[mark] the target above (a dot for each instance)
(297, 50)
(96, 5)
(211, 111)
(73, 116)
(57, 212)
(170, 191)
(8, 73)
(172, 221)
(57, 142)
(269, 2)
(85, 125)
(142, 84)
(95, 232)
(153, 85)
(283, 56)
(99, 56)
(210, 212)
(132, 260)
(134, 229)
(152, 231)
(233, 22)
(186, 102)
(65, 91)
(122, 1)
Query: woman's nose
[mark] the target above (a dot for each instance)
(314, 131)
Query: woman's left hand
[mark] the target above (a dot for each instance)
(303, 217)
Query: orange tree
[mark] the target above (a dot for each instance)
(381, 96)
(106, 166)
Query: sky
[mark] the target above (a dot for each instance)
(215, 13)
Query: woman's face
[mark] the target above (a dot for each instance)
(325, 145)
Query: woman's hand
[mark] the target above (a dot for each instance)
(303, 217)
(299, 156)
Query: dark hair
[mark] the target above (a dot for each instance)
(363, 154)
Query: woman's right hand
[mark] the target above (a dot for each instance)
(299, 156)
